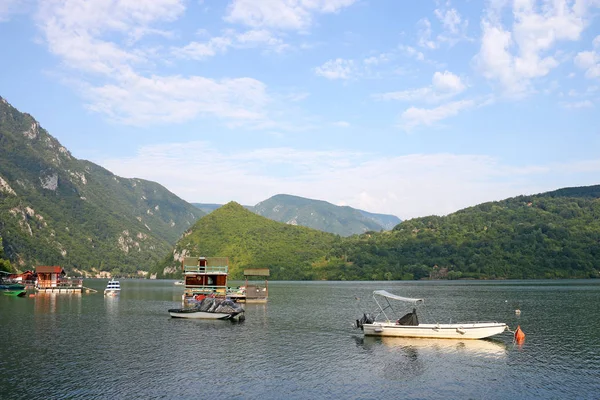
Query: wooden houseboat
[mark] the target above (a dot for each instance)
(204, 276)
(257, 291)
(53, 279)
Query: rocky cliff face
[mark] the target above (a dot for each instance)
(56, 209)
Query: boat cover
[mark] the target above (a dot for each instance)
(218, 305)
(409, 319)
(389, 295)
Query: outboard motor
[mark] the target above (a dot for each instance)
(366, 319)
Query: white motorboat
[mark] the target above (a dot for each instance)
(409, 326)
(113, 288)
(210, 308)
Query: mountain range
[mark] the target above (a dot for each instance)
(317, 214)
(548, 235)
(58, 210)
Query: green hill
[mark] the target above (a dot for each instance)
(252, 241)
(550, 235)
(58, 210)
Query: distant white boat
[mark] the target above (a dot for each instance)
(409, 326)
(179, 283)
(113, 288)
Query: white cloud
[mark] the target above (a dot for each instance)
(376, 60)
(220, 44)
(444, 85)
(137, 100)
(514, 58)
(336, 69)
(412, 52)
(448, 82)
(342, 124)
(455, 27)
(425, 34)
(200, 51)
(414, 116)
(423, 184)
(281, 14)
(10, 7)
(590, 60)
(76, 31)
(91, 37)
(578, 104)
(261, 36)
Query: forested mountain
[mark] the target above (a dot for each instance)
(253, 241)
(4, 263)
(58, 210)
(317, 214)
(386, 221)
(321, 215)
(207, 207)
(550, 235)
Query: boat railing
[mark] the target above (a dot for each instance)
(61, 283)
(217, 269)
(191, 290)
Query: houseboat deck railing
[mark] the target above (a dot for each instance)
(191, 290)
(60, 283)
(209, 269)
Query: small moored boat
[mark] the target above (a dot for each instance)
(10, 287)
(13, 289)
(210, 308)
(409, 326)
(113, 288)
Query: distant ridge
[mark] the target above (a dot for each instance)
(317, 214)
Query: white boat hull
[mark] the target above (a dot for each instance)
(192, 314)
(477, 330)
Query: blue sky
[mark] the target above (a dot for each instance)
(406, 108)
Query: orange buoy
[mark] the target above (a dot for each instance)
(519, 335)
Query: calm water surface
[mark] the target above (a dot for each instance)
(301, 345)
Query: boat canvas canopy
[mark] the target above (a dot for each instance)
(389, 295)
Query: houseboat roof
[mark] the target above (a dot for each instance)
(44, 269)
(256, 272)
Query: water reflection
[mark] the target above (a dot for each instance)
(112, 305)
(483, 347)
(48, 303)
(397, 362)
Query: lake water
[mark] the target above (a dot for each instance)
(301, 344)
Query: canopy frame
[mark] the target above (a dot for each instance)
(387, 295)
